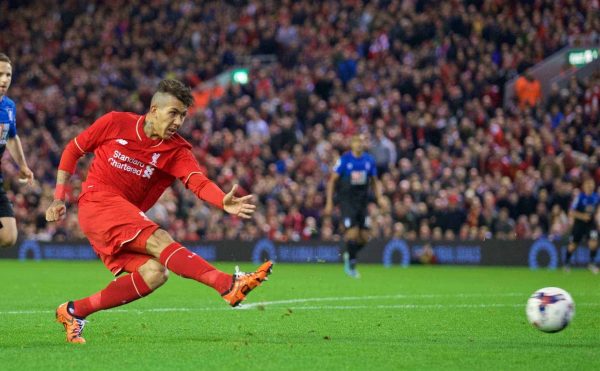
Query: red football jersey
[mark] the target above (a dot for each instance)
(129, 163)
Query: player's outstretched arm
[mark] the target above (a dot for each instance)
(238, 206)
(208, 191)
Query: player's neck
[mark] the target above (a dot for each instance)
(148, 129)
(356, 154)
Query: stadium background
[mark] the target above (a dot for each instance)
(424, 80)
(471, 171)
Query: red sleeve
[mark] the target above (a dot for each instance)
(69, 157)
(186, 168)
(95, 134)
(205, 189)
(85, 142)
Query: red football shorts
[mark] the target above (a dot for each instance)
(117, 230)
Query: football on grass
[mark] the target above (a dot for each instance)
(550, 309)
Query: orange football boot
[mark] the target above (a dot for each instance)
(243, 283)
(73, 325)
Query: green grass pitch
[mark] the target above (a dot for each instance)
(305, 317)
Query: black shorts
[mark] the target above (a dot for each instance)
(355, 216)
(6, 207)
(583, 231)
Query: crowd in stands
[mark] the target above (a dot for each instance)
(423, 80)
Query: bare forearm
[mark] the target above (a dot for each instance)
(16, 151)
(377, 188)
(62, 177)
(378, 191)
(579, 215)
(329, 192)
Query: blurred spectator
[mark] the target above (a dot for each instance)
(384, 152)
(424, 255)
(504, 226)
(528, 90)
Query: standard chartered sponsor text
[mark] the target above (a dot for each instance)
(122, 157)
(126, 166)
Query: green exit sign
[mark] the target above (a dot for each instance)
(581, 57)
(240, 76)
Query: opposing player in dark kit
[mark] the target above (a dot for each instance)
(584, 211)
(9, 140)
(355, 172)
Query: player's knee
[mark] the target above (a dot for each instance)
(158, 241)
(162, 237)
(154, 274)
(7, 239)
(7, 244)
(365, 236)
(159, 277)
(351, 234)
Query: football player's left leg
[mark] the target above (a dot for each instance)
(123, 290)
(593, 244)
(352, 246)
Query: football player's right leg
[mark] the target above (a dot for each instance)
(185, 263)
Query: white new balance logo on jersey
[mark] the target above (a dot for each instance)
(122, 142)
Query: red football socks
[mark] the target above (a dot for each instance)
(189, 265)
(126, 289)
(122, 290)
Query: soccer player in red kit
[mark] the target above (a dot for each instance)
(136, 159)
